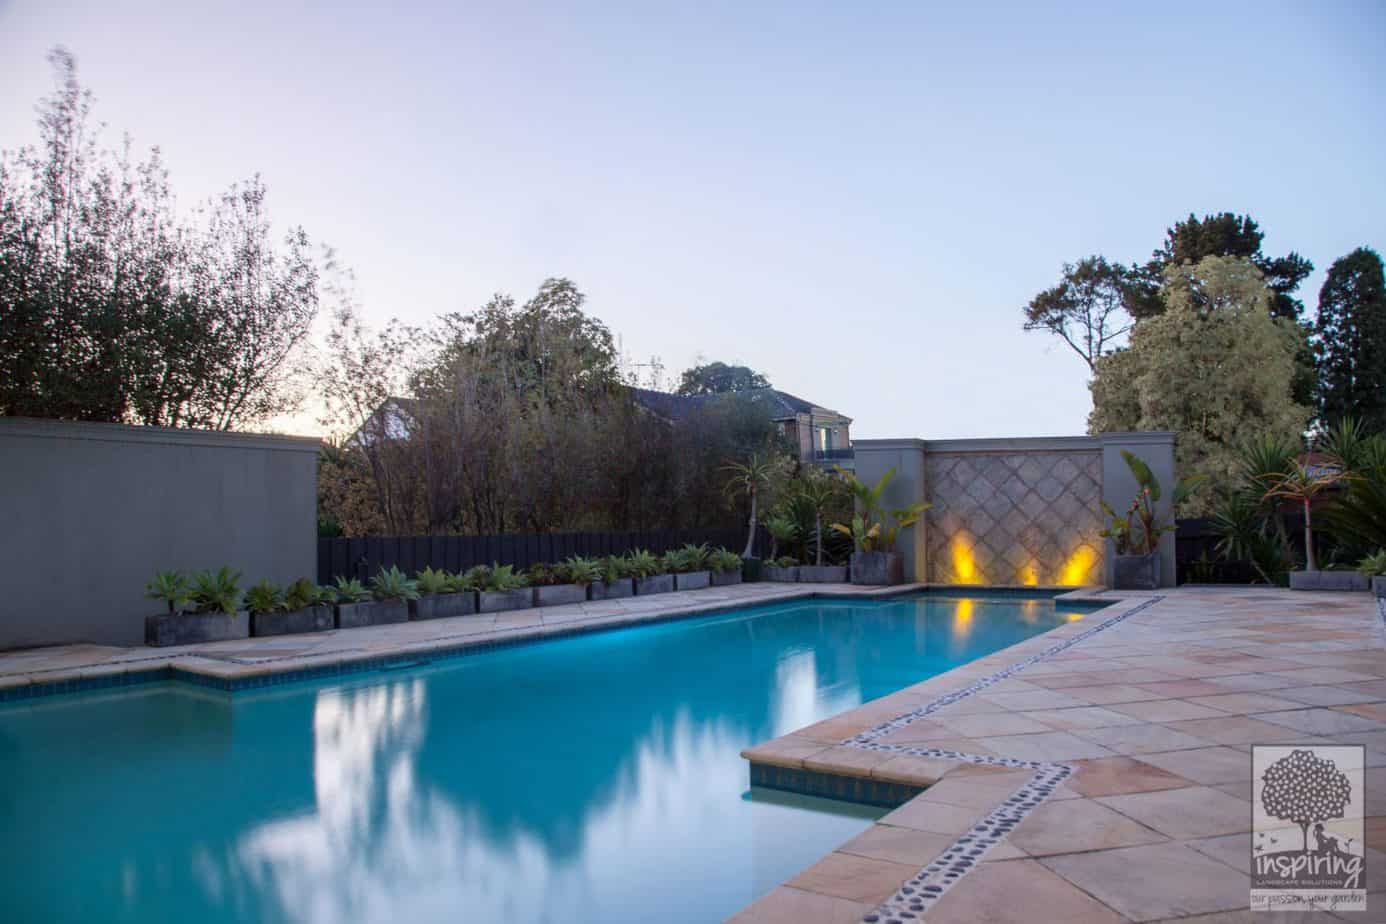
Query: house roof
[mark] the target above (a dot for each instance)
(781, 404)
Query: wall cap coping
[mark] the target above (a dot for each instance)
(127, 433)
(1016, 444)
(884, 445)
(1137, 437)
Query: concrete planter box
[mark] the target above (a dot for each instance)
(725, 578)
(822, 574)
(1136, 572)
(195, 628)
(371, 613)
(442, 606)
(559, 594)
(751, 569)
(497, 601)
(1328, 580)
(1379, 585)
(779, 575)
(613, 590)
(878, 568)
(693, 580)
(654, 584)
(309, 619)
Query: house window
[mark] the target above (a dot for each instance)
(824, 438)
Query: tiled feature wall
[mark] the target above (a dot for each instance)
(1014, 517)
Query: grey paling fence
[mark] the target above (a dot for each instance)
(363, 556)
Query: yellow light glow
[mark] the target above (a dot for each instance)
(962, 619)
(1029, 575)
(1073, 617)
(1076, 568)
(964, 563)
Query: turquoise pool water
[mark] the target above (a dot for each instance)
(594, 778)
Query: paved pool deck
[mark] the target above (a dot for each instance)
(1107, 761)
(1100, 772)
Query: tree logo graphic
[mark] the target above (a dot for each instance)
(1307, 848)
(1305, 789)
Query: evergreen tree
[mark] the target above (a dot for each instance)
(1350, 341)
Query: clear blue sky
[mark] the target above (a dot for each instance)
(857, 200)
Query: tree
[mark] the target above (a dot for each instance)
(1087, 309)
(717, 378)
(115, 308)
(1350, 341)
(1215, 367)
(1220, 235)
(752, 479)
(1304, 789)
(818, 490)
(1301, 484)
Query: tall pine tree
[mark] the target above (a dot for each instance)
(1350, 335)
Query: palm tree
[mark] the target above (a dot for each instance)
(750, 479)
(818, 491)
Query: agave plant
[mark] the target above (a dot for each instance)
(582, 570)
(786, 561)
(723, 560)
(430, 582)
(644, 563)
(504, 577)
(543, 574)
(393, 585)
(783, 530)
(264, 597)
(471, 579)
(350, 590)
(216, 591)
(171, 587)
(1373, 565)
(689, 558)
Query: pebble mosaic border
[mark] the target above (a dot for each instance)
(927, 886)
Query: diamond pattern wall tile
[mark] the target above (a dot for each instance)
(1015, 518)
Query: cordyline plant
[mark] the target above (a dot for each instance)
(1301, 483)
(1138, 532)
(752, 479)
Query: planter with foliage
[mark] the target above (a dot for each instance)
(501, 589)
(300, 608)
(1329, 580)
(205, 609)
(689, 566)
(1136, 536)
(726, 568)
(555, 585)
(387, 600)
(875, 529)
(615, 580)
(823, 574)
(782, 570)
(651, 575)
(442, 595)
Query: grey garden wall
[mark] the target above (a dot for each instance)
(1020, 511)
(91, 511)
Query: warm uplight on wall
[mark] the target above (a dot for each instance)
(964, 563)
(1029, 575)
(1078, 566)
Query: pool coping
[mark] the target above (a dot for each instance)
(217, 666)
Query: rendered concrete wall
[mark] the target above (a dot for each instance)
(1015, 511)
(92, 511)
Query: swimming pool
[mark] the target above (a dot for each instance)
(591, 778)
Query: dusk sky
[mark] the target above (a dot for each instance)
(857, 200)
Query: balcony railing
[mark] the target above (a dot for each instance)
(833, 455)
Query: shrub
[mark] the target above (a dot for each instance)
(264, 597)
(582, 570)
(393, 585)
(350, 590)
(471, 579)
(430, 582)
(302, 594)
(723, 560)
(644, 563)
(613, 568)
(503, 577)
(544, 574)
(171, 587)
(786, 561)
(1373, 565)
(216, 591)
